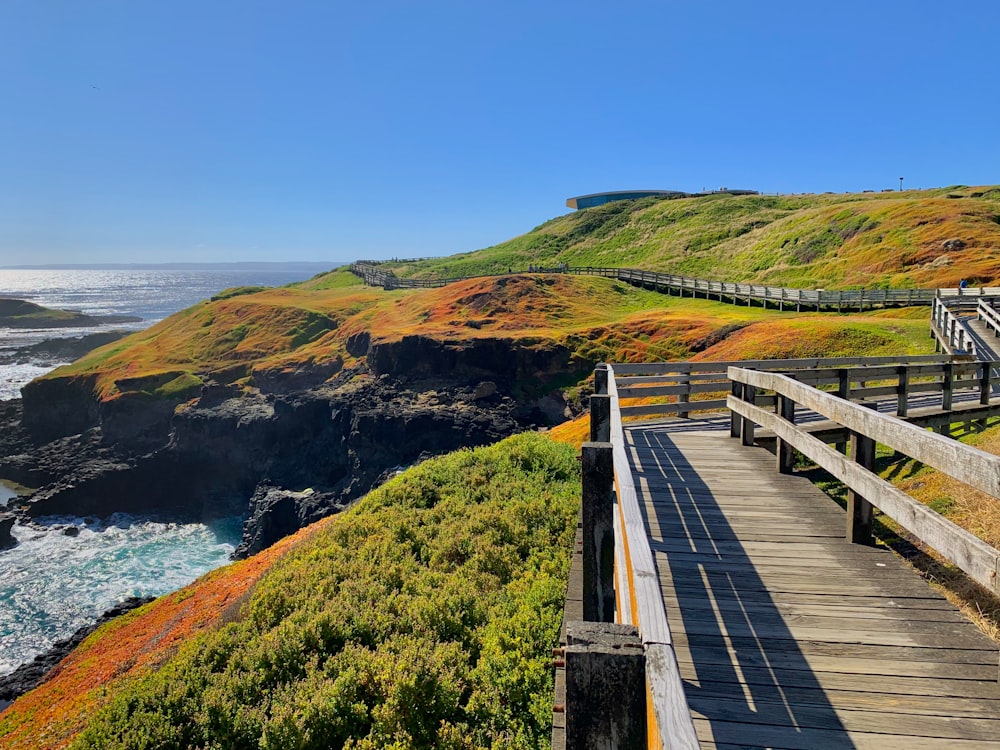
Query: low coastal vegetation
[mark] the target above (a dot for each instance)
(423, 617)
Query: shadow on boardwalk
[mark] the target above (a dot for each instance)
(728, 629)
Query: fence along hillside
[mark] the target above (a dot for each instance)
(736, 293)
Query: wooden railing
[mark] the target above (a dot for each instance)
(620, 584)
(867, 427)
(948, 329)
(736, 293)
(680, 388)
(986, 312)
(640, 599)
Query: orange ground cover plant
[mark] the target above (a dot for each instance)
(52, 714)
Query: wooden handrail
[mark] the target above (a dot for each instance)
(988, 314)
(643, 601)
(969, 465)
(875, 377)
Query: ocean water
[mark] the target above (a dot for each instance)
(148, 294)
(52, 583)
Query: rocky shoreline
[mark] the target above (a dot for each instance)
(30, 675)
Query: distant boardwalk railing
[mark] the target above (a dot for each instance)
(736, 293)
(664, 389)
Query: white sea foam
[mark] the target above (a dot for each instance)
(51, 584)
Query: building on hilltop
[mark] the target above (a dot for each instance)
(599, 199)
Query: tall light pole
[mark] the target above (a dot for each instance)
(901, 184)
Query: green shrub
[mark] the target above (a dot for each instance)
(422, 618)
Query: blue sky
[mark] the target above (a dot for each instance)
(217, 131)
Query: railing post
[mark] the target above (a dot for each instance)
(683, 398)
(984, 384)
(947, 386)
(844, 391)
(600, 418)
(903, 391)
(601, 379)
(598, 532)
(784, 453)
(747, 425)
(736, 389)
(859, 511)
(605, 687)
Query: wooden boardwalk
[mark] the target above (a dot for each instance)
(786, 635)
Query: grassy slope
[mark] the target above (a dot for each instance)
(422, 617)
(229, 338)
(829, 241)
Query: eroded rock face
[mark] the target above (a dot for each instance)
(256, 454)
(276, 512)
(470, 360)
(57, 408)
(6, 524)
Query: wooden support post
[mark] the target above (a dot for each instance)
(598, 532)
(734, 419)
(844, 383)
(600, 418)
(605, 687)
(601, 378)
(746, 425)
(903, 391)
(683, 398)
(859, 510)
(947, 386)
(785, 455)
(985, 385)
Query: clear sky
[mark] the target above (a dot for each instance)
(214, 130)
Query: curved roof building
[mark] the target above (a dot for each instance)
(599, 199)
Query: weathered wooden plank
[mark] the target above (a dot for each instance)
(842, 608)
(834, 717)
(733, 735)
(893, 696)
(666, 692)
(949, 677)
(647, 409)
(873, 652)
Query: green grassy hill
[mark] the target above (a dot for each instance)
(900, 239)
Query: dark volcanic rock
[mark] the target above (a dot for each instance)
(207, 457)
(6, 524)
(472, 360)
(30, 675)
(275, 513)
(55, 408)
(67, 349)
